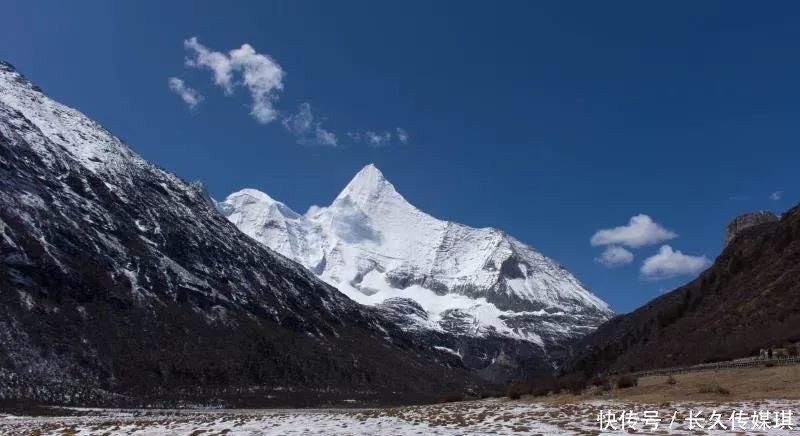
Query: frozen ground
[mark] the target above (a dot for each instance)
(465, 418)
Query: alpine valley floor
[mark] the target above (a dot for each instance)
(466, 418)
(749, 391)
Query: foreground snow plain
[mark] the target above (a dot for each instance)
(464, 418)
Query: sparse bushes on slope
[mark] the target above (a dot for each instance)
(573, 383)
(627, 381)
(544, 385)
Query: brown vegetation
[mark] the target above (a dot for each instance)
(739, 384)
(627, 381)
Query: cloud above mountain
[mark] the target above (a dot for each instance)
(669, 263)
(640, 231)
(258, 72)
(615, 256)
(189, 96)
(382, 138)
(307, 128)
(262, 77)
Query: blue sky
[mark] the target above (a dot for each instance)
(548, 120)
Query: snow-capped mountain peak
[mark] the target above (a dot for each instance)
(372, 193)
(376, 247)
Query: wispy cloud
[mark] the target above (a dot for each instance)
(308, 130)
(260, 74)
(641, 230)
(777, 195)
(189, 96)
(402, 134)
(615, 256)
(669, 263)
(262, 77)
(380, 138)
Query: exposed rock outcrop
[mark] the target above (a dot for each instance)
(746, 220)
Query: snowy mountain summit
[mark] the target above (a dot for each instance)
(471, 284)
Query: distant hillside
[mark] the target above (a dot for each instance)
(746, 301)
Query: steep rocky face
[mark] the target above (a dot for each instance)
(475, 286)
(746, 301)
(122, 284)
(747, 220)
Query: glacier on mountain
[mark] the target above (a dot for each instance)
(376, 247)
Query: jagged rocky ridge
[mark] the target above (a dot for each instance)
(746, 301)
(122, 284)
(501, 306)
(747, 220)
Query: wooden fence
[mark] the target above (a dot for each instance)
(749, 363)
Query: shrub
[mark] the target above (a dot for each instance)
(543, 385)
(671, 380)
(627, 381)
(793, 350)
(574, 384)
(599, 380)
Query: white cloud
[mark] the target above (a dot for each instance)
(308, 130)
(641, 230)
(777, 195)
(670, 263)
(402, 135)
(261, 75)
(378, 139)
(615, 256)
(263, 78)
(189, 96)
(217, 62)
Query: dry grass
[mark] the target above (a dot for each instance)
(742, 384)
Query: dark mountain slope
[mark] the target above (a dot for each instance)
(749, 299)
(121, 283)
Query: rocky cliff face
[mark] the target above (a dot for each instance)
(122, 284)
(747, 220)
(482, 293)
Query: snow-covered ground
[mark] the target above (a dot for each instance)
(464, 418)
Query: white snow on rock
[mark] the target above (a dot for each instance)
(374, 245)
